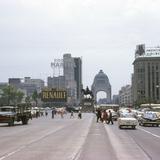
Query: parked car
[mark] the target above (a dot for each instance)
(149, 118)
(127, 120)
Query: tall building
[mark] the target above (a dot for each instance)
(69, 75)
(78, 76)
(146, 78)
(56, 82)
(71, 80)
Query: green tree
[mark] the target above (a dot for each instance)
(19, 96)
(35, 97)
(11, 96)
(28, 100)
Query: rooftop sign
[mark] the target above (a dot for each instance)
(54, 96)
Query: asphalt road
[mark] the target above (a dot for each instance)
(77, 139)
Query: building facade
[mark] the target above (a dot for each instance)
(29, 85)
(71, 80)
(69, 76)
(39, 83)
(101, 83)
(78, 77)
(56, 82)
(146, 77)
(125, 96)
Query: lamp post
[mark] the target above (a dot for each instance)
(157, 93)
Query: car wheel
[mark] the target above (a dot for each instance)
(11, 123)
(134, 127)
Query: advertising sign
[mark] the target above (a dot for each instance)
(54, 96)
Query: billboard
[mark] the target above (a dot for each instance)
(54, 96)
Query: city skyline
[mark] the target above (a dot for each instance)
(105, 35)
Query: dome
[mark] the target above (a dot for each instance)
(101, 74)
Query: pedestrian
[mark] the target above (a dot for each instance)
(79, 115)
(98, 114)
(72, 114)
(110, 117)
(46, 113)
(53, 112)
(105, 116)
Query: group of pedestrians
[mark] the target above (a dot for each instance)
(79, 114)
(104, 117)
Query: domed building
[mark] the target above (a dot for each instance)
(101, 83)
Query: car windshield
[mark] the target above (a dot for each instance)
(6, 109)
(127, 115)
(150, 115)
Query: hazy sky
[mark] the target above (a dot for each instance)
(103, 32)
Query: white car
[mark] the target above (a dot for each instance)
(127, 120)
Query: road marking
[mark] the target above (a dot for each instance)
(24, 146)
(149, 133)
(76, 155)
(95, 134)
(11, 153)
(124, 146)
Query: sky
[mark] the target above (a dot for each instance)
(103, 32)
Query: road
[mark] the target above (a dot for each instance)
(77, 139)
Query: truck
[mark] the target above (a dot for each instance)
(11, 114)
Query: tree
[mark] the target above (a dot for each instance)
(28, 100)
(19, 96)
(35, 97)
(11, 96)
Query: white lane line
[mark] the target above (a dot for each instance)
(149, 133)
(77, 153)
(11, 153)
(24, 146)
(124, 146)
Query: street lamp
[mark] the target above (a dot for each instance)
(157, 93)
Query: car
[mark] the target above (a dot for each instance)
(127, 119)
(150, 118)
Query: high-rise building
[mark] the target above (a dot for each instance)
(56, 82)
(146, 77)
(78, 76)
(69, 75)
(71, 80)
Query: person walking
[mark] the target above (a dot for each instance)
(53, 113)
(79, 115)
(98, 114)
(105, 116)
(46, 113)
(110, 117)
(72, 114)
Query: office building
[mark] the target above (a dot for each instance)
(146, 77)
(125, 96)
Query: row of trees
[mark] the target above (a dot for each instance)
(11, 96)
